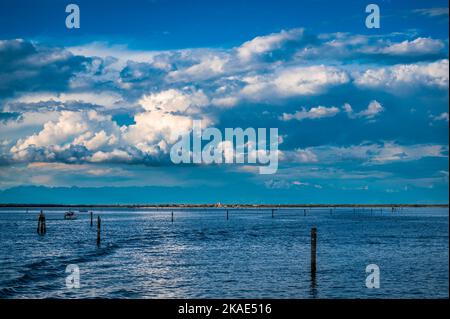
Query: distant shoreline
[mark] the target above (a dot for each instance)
(215, 205)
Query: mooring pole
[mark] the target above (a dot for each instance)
(39, 223)
(227, 215)
(43, 225)
(99, 220)
(172, 216)
(41, 229)
(313, 250)
(304, 212)
(92, 216)
(272, 212)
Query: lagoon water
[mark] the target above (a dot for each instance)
(204, 255)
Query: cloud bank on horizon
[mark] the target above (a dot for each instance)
(355, 110)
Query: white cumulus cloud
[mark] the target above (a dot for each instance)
(263, 44)
(417, 46)
(313, 113)
(373, 109)
(434, 74)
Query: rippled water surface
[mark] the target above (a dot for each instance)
(204, 255)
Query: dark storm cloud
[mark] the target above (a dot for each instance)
(26, 67)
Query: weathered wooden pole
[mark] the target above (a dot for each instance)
(304, 212)
(43, 225)
(99, 221)
(272, 212)
(172, 216)
(92, 216)
(39, 224)
(227, 215)
(41, 229)
(313, 251)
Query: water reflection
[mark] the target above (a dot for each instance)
(313, 285)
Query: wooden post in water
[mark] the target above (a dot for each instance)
(99, 220)
(304, 212)
(92, 216)
(227, 214)
(172, 216)
(272, 212)
(313, 251)
(43, 225)
(39, 223)
(331, 211)
(42, 228)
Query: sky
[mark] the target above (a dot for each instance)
(89, 115)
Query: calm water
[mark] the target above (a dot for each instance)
(202, 255)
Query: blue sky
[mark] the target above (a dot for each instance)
(88, 115)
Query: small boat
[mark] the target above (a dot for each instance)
(70, 215)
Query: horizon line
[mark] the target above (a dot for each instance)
(205, 205)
